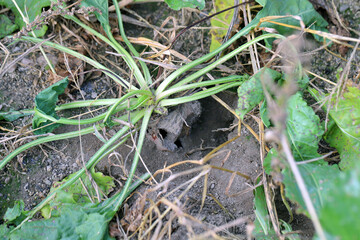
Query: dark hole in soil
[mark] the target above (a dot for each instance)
(163, 133)
(178, 143)
(300, 223)
(213, 117)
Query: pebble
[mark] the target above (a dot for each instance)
(93, 95)
(47, 182)
(343, 7)
(48, 168)
(7, 180)
(62, 167)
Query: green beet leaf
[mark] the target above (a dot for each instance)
(348, 147)
(179, 4)
(263, 228)
(303, 128)
(346, 112)
(13, 115)
(250, 93)
(45, 103)
(74, 222)
(272, 154)
(6, 26)
(318, 179)
(15, 214)
(261, 2)
(340, 213)
(76, 193)
(264, 114)
(31, 9)
(345, 135)
(103, 15)
(301, 8)
(4, 231)
(287, 229)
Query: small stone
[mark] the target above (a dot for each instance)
(343, 7)
(48, 168)
(212, 186)
(74, 165)
(62, 167)
(7, 180)
(47, 182)
(93, 95)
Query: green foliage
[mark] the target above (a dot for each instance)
(318, 179)
(80, 192)
(272, 154)
(341, 210)
(15, 214)
(74, 222)
(287, 229)
(4, 231)
(263, 228)
(264, 114)
(13, 115)
(346, 112)
(45, 103)
(348, 147)
(250, 93)
(103, 15)
(344, 135)
(6, 26)
(69, 208)
(31, 9)
(261, 2)
(301, 8)
(220, 23)
(303, 128)
(179, 4)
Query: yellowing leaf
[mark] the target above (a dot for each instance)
(220, 23)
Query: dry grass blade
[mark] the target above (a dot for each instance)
(268, 194)
(7, 54)
(213, 232)
(12, 63)
(333, 37)
(316, 159)
(151, 43)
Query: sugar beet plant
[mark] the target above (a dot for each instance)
(65, 217)
(145, 99)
